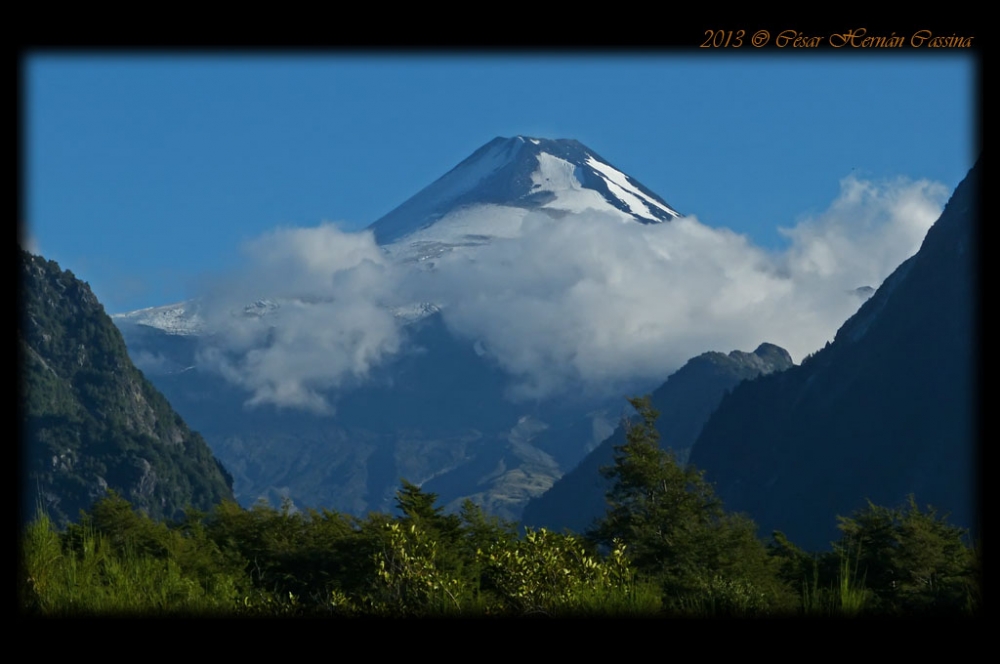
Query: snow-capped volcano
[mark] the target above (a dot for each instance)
(484, 197)
(510, 176)
(326, 362)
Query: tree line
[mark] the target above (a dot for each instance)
(665, 547)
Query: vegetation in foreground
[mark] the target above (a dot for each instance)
(665, 548)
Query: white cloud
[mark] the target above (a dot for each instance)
(583, 303)
(591, 303)
(869, 226)
(331, 326)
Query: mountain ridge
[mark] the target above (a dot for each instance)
(886, 409)
(685, 401)
(91, 420)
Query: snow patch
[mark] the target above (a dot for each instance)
(180, 318)
(469, 227)
(630, 195)
(411, 313)
(558, 176)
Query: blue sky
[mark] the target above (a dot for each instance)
(142, 172)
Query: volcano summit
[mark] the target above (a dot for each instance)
(477, 340)
(557, 176)
(431, 405)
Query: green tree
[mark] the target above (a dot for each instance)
(114, 517)
(410, 579)
(912, 560)
(555, 574)
(419, 508)
(656, 507)
(676, 531)
(480, 531)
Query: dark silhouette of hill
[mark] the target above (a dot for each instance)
(685, 402)
(887, 409)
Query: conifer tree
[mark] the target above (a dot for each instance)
(419, 508)
(671, 521)
(656, 507)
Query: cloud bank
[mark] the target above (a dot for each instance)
(582, 303)
(333, 320)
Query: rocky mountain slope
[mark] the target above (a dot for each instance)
(91, 421)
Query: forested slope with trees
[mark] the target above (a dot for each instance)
(665, 548)
(90, 420)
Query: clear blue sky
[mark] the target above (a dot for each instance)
(142, 172)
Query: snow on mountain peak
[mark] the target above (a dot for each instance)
(527, 173)
(186, 319)
(181, 318)
(485, 197)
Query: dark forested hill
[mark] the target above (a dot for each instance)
(684, 401)
(90, 420)
(885, 410)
